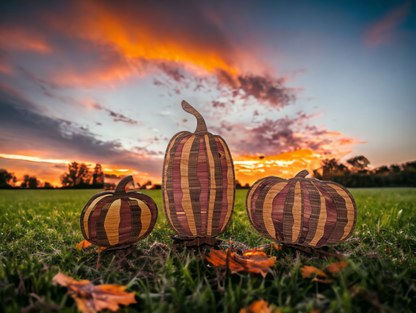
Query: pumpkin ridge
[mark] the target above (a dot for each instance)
(331, 216)
(101, 234)
(212, 190)
(315, 202)
(125, 225)
(203, 179)
(288, 220)
(218, 183)
(231, 184)
(136, 216)
(297, 210)
(185, 188)
(177, 187)
(259, 213)
(194, 184)
(307, 211)
(341, 210)
(224, 178)
(350, 208)
(169, 203)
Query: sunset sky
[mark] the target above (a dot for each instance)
(294, 81)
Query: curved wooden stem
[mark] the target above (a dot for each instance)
(302, 174)
(200, 126)
(121, 187)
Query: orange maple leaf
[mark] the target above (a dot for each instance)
(260, 306)
(91, 298)
(83, 245)
(252, 262)
(325, 281)
(336, 267)
(307, 271)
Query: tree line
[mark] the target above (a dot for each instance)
(77, 176)
(354, 173)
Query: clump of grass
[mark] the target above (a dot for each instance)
(39, 230)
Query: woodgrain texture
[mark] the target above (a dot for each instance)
(198, 182)
(301, 211)
(118, 219)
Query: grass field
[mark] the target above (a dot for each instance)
(39, 230)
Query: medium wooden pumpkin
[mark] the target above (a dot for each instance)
(198, 183)
(301, 211)
(118, 219)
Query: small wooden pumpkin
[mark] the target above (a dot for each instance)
(301, 211)
(198, 184)
(118, 219)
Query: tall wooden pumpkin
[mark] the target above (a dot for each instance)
(118, 219)
(198, 183)
(301, 211)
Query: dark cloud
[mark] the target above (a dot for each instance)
(117, 117)
(275, 136)
(23, 128)
(267, 90)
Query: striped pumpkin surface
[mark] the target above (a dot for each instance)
(301, 211)
(119, 218)
(198, 182)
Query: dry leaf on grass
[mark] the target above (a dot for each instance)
(91, 298)
(99, 249)
(83, 245)
(253, 262)
(325, 281)
(307, 271)
(336, 267)
(260, 306)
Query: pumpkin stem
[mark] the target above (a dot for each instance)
(201, 126)
(121, 187)
(302, 174)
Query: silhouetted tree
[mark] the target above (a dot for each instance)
(330, 167)
(5, 178)
(98, 175)
(359, 163)
(77, 174)
(395, 168)
(149, 183)
(30, 182)
(47, 185)
(410, 166)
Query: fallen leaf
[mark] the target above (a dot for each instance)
(255, 255)
(83, 245)
(307, 271)
(322, 281)
(276, 246)
(253, 263)
(336, 267)
(91, 298)
(99, 249)
(260, 306)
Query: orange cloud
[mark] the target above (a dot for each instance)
(382, 31)
(24, 40)
(249, 169)
(141, 39)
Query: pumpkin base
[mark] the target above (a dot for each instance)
(118, 247)
(195, 241)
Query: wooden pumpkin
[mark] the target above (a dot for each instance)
(301, 211)
(198, 183)
(118, 219)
